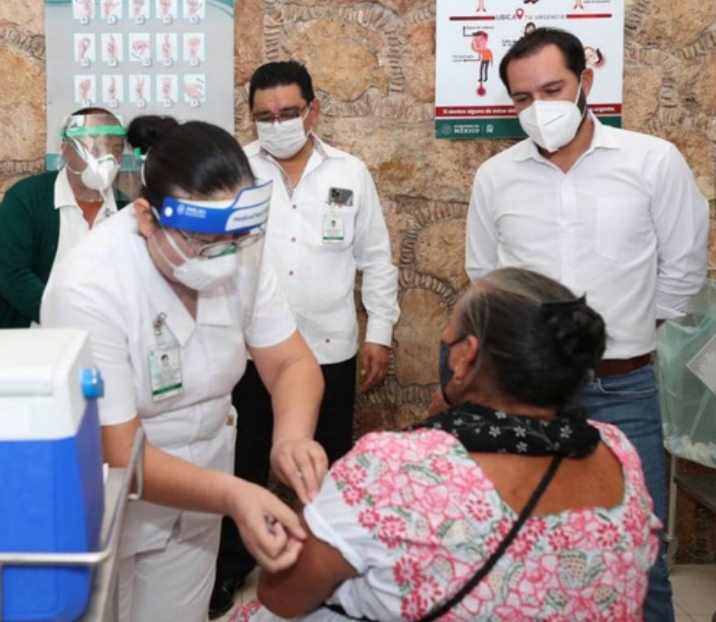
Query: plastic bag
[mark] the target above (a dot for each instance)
(686, 373)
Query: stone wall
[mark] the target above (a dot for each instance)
(373, 66)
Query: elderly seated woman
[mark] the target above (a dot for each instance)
(510, 505)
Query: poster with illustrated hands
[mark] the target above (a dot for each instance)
(167, 11)
(137, 57)
(472, 37)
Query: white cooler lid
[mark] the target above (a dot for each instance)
(40, 382)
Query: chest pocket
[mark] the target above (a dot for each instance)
(623, 227)
(337, 227)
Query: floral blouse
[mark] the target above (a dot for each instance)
(417, 517)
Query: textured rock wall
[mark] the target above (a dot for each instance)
(373, 66)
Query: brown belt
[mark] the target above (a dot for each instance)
(614, 367)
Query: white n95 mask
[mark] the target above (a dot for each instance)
(199, 273)
(552, 124)
(100, 173)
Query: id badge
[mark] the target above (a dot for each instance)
(165, 373)
(333, 229)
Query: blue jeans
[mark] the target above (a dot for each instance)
(630, 402)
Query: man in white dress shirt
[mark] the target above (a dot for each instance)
(325, 223)
(612, 213)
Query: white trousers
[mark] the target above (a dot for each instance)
(172, 584)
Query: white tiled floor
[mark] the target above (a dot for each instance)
(694, 592)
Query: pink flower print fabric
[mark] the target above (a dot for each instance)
(417, 517)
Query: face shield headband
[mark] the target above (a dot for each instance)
(246, 212)
(80, 131)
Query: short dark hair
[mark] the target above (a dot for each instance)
(94, 110)
(282, 73)
(537, 341)
(197, 158)
(533, 42)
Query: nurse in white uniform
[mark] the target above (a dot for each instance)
(175, 296)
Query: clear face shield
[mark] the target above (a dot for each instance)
(225, 238)
(99, 142)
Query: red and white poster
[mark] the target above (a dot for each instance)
(474, 35)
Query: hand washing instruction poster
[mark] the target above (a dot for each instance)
(133, 57)
(474, 35)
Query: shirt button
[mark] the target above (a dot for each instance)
(328, 340)
(294, 206)
(293, 239)
(290, 273)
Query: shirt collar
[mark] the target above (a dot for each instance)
(64, 197)
(325, 150)
(320, 153)
(602, 138)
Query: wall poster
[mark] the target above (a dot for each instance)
(171, 57)
(472, 36)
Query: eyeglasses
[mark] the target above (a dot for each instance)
(219, 248)
(285, 114)
(454, 342)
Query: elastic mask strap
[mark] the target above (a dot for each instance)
(175, 247)
(80, 149)
(579, 90)
(84, 155)
(305, 116)
(445, 397)
(69, 168)
(579, 96)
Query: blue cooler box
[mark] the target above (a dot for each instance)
(51, 484)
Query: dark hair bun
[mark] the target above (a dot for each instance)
(143, 131)
(579, 335)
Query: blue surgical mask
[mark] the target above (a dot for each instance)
(446, 373)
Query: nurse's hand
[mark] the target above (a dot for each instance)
(300, 463)
(269, 528)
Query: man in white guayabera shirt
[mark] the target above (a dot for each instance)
(608, 212)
